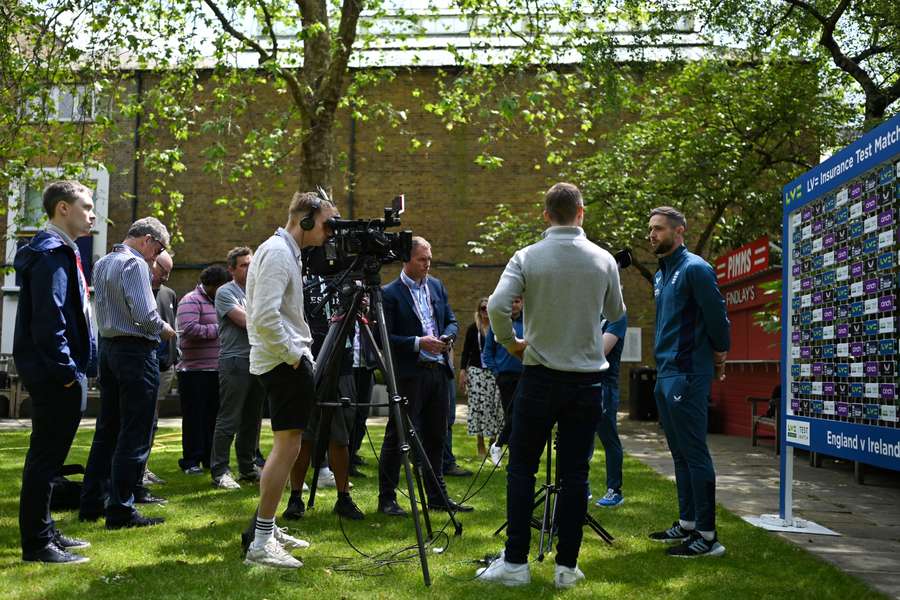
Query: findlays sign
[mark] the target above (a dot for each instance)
(745, 261)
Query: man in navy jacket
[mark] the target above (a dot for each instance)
(692, 340)
(55, 351)
(422, 327)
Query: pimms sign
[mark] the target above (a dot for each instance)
(745, 261)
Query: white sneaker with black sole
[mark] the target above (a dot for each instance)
(509, 574)
(697, 546)
(270, 554)
(566, 577)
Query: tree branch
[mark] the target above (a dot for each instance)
(809, 9)
(871, 51)
(334, 78)
(227, 26)
(264, 56)
(272, 36)
(703, 240)
(870, 88)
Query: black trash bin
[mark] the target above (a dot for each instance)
(641, 403)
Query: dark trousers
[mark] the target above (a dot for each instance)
(573, 402)
(683, 403)
(240, 401)
(426, 396)
(507, 383)
(199, 394)
(447, 457)
(129, 378)
(608, 432)
(55, 414)
(363, 381)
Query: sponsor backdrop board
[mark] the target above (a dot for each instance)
(840, 311)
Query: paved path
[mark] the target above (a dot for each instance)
(867, 516)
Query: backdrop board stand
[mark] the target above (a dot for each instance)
(839, 346)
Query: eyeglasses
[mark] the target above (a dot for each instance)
(162, 247)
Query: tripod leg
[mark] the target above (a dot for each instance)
(321, 444)
(429, 534)
(385, 363)
(413, 437)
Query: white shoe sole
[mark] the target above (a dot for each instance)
(507, 583)
(598, 505)
(672, 541)
(715, 553)
(253, 563)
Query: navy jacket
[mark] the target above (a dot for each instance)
(53, 341)
(496, 358)
(404, 326)
(691, 320)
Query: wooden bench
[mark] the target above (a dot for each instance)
(757, 420)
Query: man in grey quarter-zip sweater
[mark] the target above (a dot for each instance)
(569, 285)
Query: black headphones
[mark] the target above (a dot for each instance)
(308, 223)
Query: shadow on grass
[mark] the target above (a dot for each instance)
(196, 553)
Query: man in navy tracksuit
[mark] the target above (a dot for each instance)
(692, 339)
(55, 351)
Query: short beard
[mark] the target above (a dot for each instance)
(664, 247)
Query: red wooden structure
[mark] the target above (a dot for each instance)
(754, 362)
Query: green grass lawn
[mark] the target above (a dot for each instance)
(196, 553)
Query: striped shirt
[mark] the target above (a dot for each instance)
(124, 301)
(199, 337)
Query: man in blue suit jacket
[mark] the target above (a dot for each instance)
(55, 351)
(422, 327)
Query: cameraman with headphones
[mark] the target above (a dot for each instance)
(281, 355)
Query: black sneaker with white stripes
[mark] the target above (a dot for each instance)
(697, 546)
(675, 533)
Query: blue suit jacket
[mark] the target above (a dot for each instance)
(404, 326)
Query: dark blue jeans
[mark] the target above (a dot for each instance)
(683, 402)
(55, 415)
(609, 436)
(543, 399)
(129, 378)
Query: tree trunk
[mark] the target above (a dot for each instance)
(317, 154)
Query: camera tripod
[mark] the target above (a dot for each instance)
(327, 374)
(547, 497)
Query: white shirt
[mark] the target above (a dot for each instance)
(276, 323)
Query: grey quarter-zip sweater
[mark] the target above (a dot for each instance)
(569, 285)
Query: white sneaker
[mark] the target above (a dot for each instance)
(289, 541)
(326, 478)
(506, 573)
(271, 554)
(566, 577)
(496, 453)
(226, 482)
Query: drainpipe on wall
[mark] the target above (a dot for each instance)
(351, 168)
(137, 146)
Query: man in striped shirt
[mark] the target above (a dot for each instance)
(130, 331)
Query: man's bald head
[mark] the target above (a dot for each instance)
(162, 268)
